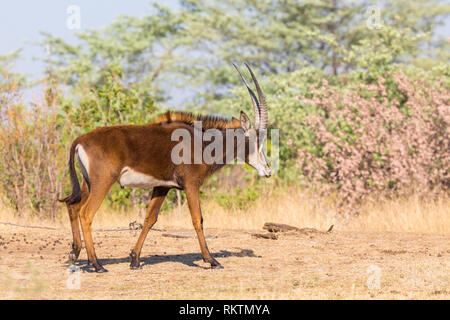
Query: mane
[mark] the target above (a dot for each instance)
(208, 121)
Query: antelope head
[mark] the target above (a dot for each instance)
(255, 137)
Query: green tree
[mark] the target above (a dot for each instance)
(10, 82)
(283, 36)
(142, 48)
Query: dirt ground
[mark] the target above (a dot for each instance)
(338, 265)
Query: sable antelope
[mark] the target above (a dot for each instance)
(139, 156)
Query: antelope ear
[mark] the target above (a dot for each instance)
(245, 121)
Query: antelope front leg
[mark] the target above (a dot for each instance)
(158, 196)
(192, 194)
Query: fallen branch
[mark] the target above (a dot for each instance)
(183, 235)
(271, 236)
(131, 227)
(34, 227)
(278, 227)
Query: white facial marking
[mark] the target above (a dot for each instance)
(135, 179)
(82, 156)
(253, 158)
(256, 156)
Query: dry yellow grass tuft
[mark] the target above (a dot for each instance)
(405, 215)
(292, 206)
(303, 209)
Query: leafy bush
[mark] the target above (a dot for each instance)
(239, 198)
(32, 159)
(390, 135)
(107, 103)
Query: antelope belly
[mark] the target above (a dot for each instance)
(134, 179)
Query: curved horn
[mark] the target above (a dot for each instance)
(263, 106)
(256, 108)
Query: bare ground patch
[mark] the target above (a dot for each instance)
(33, 264)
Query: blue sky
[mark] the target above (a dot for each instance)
(21, 21)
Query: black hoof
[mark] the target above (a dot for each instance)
(100, 269)
(72, 258)
(215, 264)
(134, 265)
(73, 255)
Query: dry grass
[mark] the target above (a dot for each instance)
(295, 207)
(405, 215)
(291, 206)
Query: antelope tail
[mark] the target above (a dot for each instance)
(75, 197)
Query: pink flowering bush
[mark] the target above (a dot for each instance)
(391, 135)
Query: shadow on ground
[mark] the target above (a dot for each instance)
(186, 258)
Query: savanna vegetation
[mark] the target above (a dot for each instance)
(362, 105)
